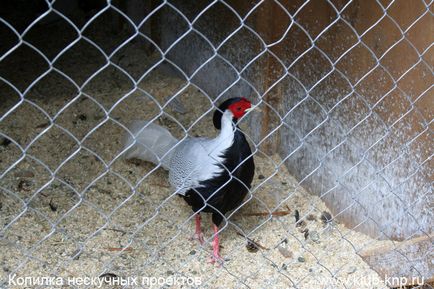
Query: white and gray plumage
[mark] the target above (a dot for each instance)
(211, 174)
(189, 162)
(196, 160)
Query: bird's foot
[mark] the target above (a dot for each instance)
(216, 259)
(198, 236)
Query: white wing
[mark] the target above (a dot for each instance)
(198, 159)
(194, 160)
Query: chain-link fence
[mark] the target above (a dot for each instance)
(342, 194)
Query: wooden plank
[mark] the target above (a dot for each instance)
(409, 261)
(269, 25)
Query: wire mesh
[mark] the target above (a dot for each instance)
(345, 114)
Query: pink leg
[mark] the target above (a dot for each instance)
(216, 247)
(198, 231)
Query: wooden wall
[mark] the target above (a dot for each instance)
(346, 96)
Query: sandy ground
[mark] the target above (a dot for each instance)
(71, 207)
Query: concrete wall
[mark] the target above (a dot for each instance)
(356, 132)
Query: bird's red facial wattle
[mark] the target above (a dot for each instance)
(239, 108)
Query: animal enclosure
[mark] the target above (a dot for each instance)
(342, 141)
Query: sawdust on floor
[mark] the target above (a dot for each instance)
(72, 207)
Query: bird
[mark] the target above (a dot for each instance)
(212, 175)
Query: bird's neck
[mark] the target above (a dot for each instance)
(228, 127)
(227, 132)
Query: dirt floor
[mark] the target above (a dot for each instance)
(70, 206)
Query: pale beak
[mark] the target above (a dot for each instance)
(253, 108)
